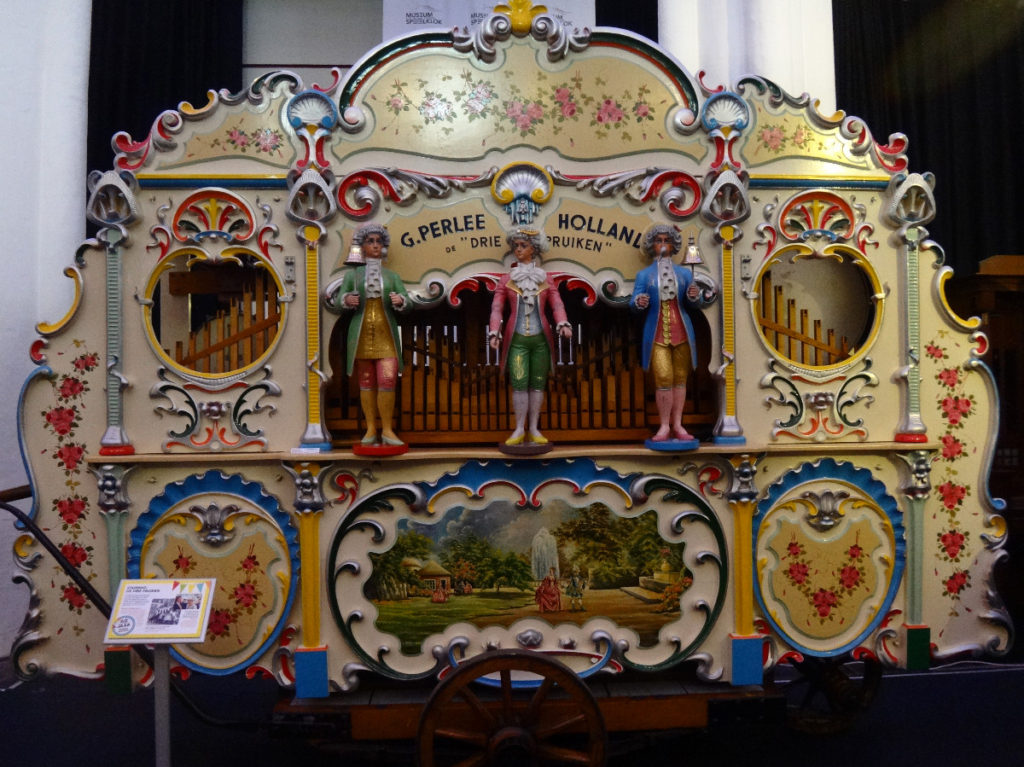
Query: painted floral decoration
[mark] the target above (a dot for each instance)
(260, 141)
(62, 420)
(435, 108)
(478, 99)
(511, 106)
(398, 101)
(826, 591)
(236, 599)
(954, 406)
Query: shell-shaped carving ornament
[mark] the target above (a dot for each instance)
(725, 110)
(522, 180)
(311, 108)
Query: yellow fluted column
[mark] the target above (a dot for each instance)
(747, 644)
(728, 430)
(315, 435)
(311, 674)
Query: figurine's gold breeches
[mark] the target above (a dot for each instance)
(670, 365)
(375, 341)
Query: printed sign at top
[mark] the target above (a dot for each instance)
(403, 17)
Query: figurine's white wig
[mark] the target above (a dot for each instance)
(371, 228)
(535, 237)
(647, 244)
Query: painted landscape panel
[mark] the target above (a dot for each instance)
(499, 564)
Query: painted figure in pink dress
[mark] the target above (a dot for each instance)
(548, 595)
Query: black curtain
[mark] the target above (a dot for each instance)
(949, 74)
(149, 55)
(640, 16)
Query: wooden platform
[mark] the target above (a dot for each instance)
(628, 703)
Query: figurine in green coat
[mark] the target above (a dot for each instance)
(376, 295)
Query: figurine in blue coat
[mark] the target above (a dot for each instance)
(662, 291)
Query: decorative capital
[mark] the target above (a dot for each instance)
(110, 479)
(112, 201)
(743, 490)
(311, 199)
(909, 199)
(920, 464)
(309, 496)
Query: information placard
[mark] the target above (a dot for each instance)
(161, 611)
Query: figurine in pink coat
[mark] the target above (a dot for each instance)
(525, 336)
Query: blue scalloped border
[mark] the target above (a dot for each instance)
(43, 371)
(828, 468)
(215, 481)
(528, 476)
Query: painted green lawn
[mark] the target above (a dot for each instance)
(414, 619)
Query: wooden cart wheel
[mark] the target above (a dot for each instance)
(828, 694)
(557, 722)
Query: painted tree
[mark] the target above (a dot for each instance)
(392, 575)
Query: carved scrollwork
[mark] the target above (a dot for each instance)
(559, 39)
(181, 403)
(250, 403)
(820, 414)
(788, 396)
(518, 19)
(891, 156)
(28, 635)
(481, 41)
(681, 198)
(361, 193)
(849, 394)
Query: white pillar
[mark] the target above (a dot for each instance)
(786, 41)
(45, 76)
